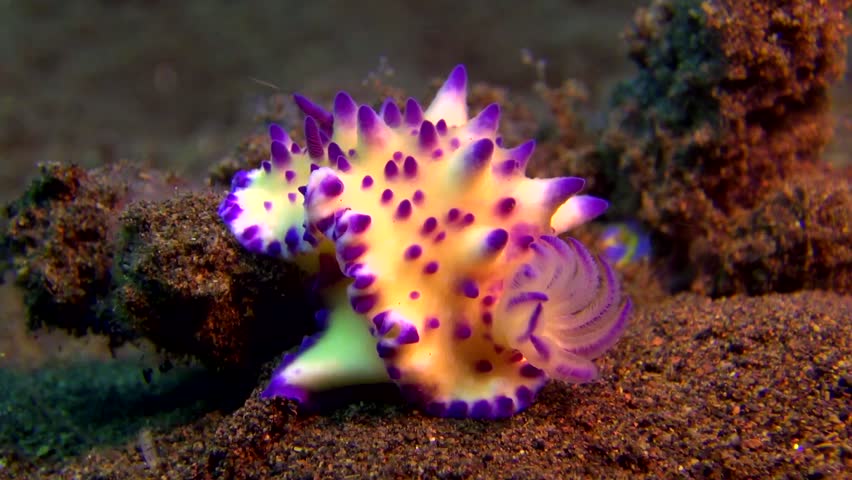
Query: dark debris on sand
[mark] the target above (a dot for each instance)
(731, 388)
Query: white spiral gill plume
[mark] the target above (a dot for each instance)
(561, 309)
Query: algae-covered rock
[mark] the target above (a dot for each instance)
(58, 238)
(187, 285)
(729, 105)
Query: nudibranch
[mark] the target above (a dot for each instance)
(437, 257)
(625, 242)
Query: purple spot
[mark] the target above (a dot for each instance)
(267, 167)
(353, 252)
(440, 237)
(487, 318)
(352, 153)
(418, 197)
(430, 268)
(481, 409)
(505, 406)
(379, 320)
(232, 213)
(413, 252)
(394, 373)
(368, 123)
(334, 151)
(432, 323)
(463, 331)
(437, 153)
(457, 409)
(303, 190)
(292, 197)
(344, 109)
(363, 303)
(274, 248)
(428, 138)
(413, 113)
(387, 195)
(367, 182)
(397, 155)
(295, 149)
(409, 167)
(429, 225)
(385, 351)
(488, 300)
(291, 239)
(528, 371)
(560, 189)
(359, 222)
(331, 186)
(324, 224)
(289, 175)
(505, 206)
(276, 132)
(456, 82)
(516, 357)
(478, 155)
(391, 170)
(470, 289)
(453, 215)
(487, 119)
(267, 205)
(483, 366)
(343, 164)
(508, 167)
(467, 219)
(454, 143)
(390, 113)
(414, 295)
(240, 180)
(408, 335)
(255, 246)
(250, 232)
(496, 240)
(279, 152)
(403, 210)
(441, 127)
(524, 395)
(364, 281)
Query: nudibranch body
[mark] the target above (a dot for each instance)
(448, 269)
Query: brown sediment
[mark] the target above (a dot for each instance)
(59, 238)
(185, 283)
(730, 105)
(731, 388)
